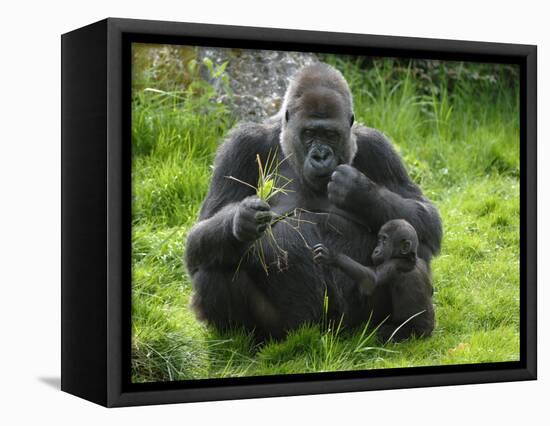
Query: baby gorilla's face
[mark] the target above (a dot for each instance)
(396, 239)
(383, 249)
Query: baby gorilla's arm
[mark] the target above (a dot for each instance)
(364, 276)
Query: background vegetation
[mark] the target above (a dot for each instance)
(456, 126)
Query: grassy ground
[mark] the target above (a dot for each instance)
(459, 135)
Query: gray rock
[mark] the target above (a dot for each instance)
(257, 79)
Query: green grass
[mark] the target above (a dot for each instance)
(460, 141)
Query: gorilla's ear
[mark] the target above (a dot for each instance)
(406, 246)
(352, 120)
(286, 115)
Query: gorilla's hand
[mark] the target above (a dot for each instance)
(348, 187)
(322, 255)
(251, 219)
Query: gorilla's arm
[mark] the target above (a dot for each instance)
(383, 191)
(231, 216)
(365, 277)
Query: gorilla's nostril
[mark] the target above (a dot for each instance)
(317, 156)
(320, 156)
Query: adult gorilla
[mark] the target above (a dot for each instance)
(346, 180)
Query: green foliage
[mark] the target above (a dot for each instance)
(270, 183)
(457, 127)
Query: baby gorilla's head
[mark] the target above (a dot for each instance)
(396, 239)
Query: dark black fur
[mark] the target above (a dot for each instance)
(398, 274)
(347, 180)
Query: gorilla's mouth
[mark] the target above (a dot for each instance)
(318, 179)
(323, 175)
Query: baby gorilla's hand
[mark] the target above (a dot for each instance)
(322, 255)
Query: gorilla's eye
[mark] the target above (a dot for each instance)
(352, 120)
(331, 134)
(308, 133)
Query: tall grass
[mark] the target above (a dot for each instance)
(459, 138)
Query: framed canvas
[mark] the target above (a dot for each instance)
(254, 212)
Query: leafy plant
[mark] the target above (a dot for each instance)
(270, 183)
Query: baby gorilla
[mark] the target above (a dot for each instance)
(397, 269)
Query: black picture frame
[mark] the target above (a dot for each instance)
(96, 210)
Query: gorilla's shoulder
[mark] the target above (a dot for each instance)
(370, 139)
(377, 157)
(253, 136)
(244, 142)
(249, 130)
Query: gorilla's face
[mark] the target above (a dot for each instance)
(317, 135)
(396, 239)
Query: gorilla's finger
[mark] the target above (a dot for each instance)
(321, 255)
(247, 234)
(338, 187)
(318, 245)
(249, 228)
(335, 193)
(257, 204)
(346, 169)
(320, 259)
(342, 180)
(263, 216)
(337, 176)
